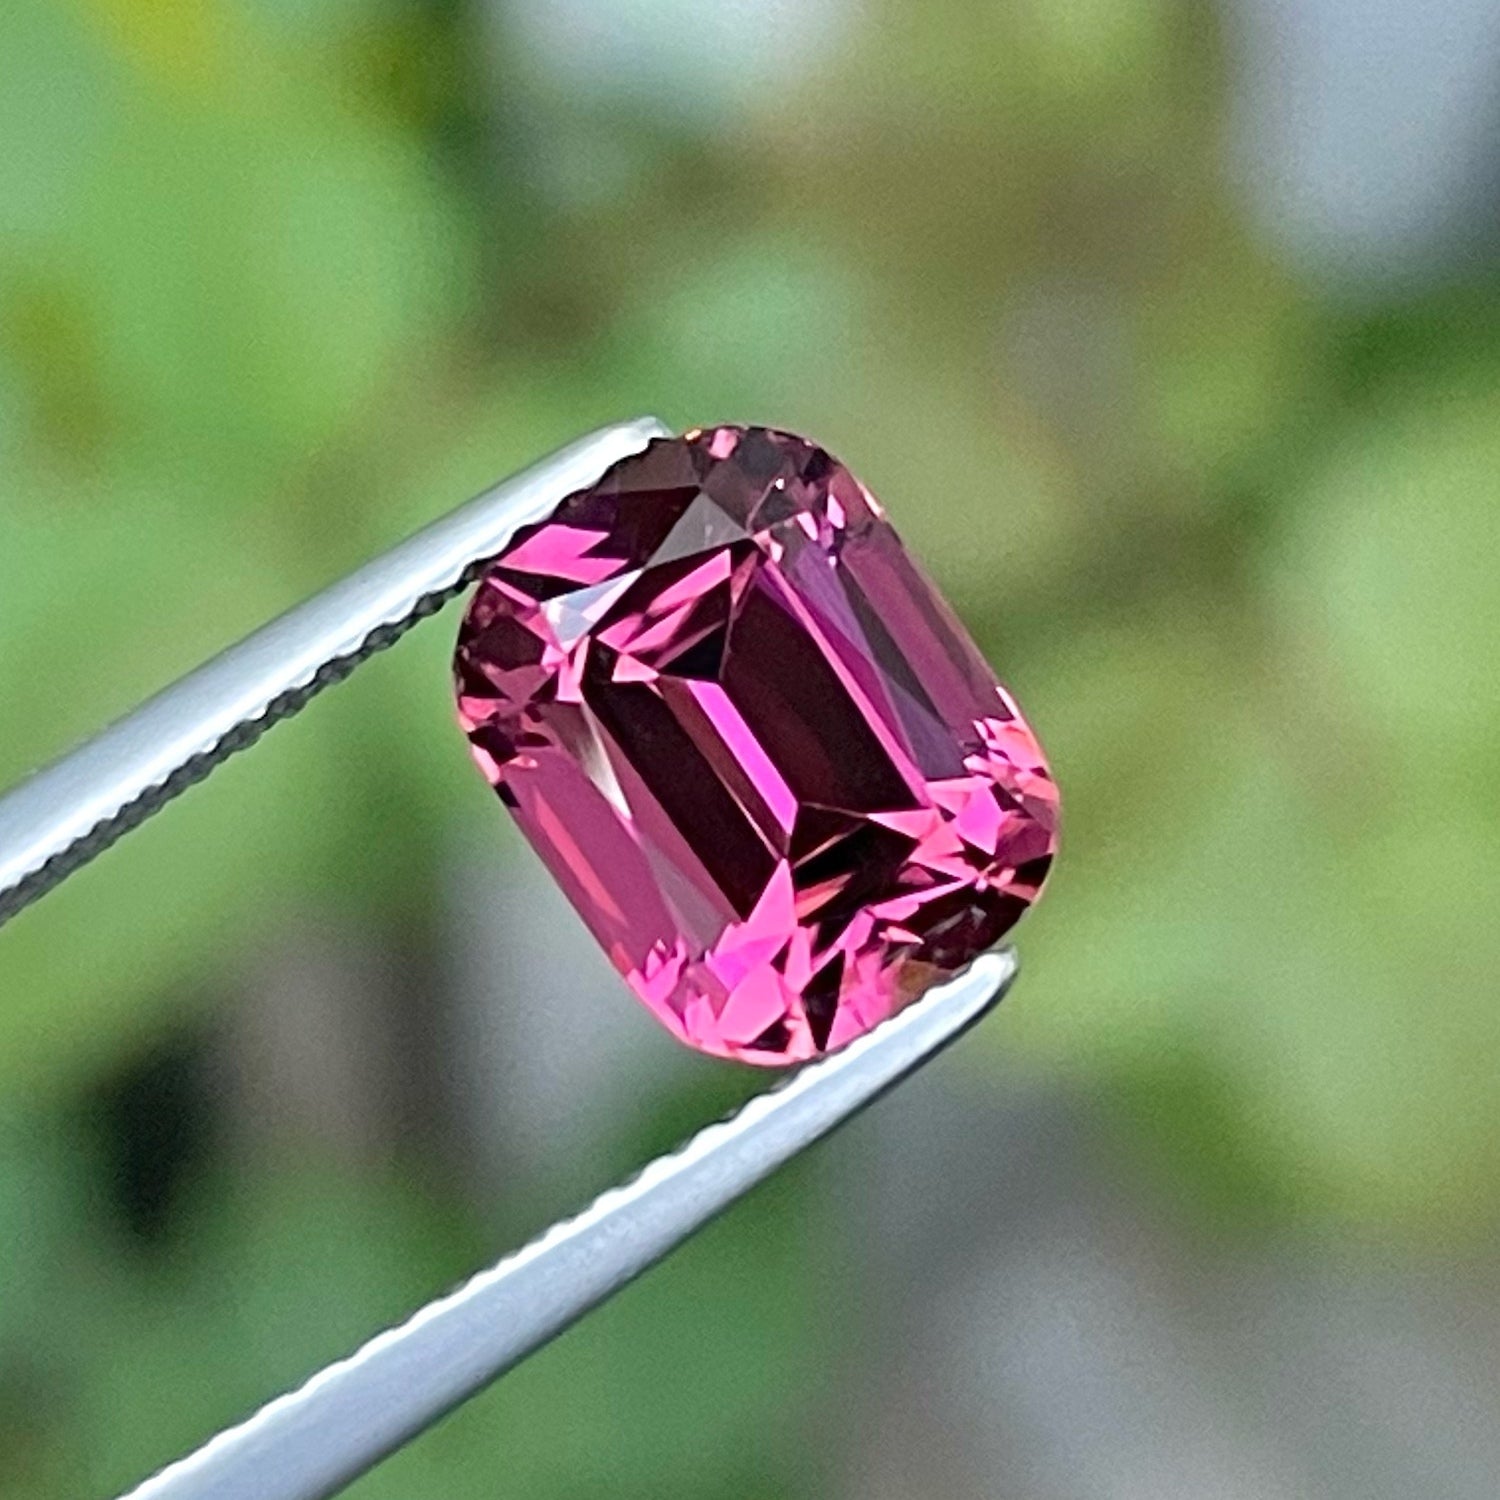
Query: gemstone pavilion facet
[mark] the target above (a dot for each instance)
(753, 744)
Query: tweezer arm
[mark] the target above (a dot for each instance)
(312, 1442)
(64, 815)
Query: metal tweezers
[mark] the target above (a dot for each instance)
(346, 1418)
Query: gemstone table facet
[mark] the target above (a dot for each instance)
(753, 744)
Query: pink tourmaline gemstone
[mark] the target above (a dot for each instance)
(753, 744)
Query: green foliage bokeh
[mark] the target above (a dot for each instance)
(278, 283)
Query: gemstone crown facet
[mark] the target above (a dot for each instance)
(752, 743)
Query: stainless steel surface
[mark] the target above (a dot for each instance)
(315, 1440)
(312, 1442)
(61, 817)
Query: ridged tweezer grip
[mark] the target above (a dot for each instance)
(64, 815)
(314, 1441)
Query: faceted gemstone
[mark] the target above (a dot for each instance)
(753, 744)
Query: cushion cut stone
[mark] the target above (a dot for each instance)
(753, 744)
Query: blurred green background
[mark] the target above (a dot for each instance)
(1168, 333)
